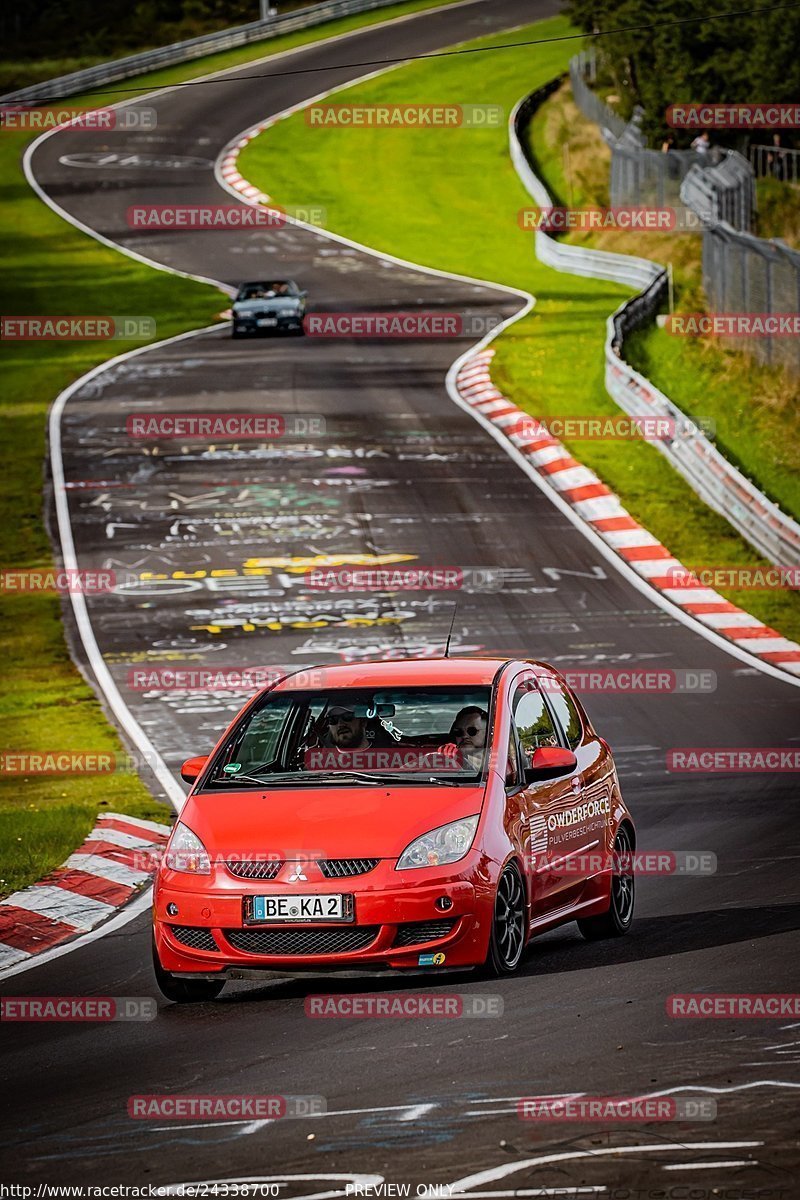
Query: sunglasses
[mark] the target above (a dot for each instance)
(470, 729)
(335, 718)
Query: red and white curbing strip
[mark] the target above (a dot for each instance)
(600, 508)
(118, 857)
(230, 172)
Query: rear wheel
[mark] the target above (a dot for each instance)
(508, 924)
(618, 919)
(184, 991)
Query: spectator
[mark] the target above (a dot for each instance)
(702, 143)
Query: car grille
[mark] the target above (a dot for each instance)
(254, 869)
(302, 941)
(194, 936)
(422, 931)
(338, 868)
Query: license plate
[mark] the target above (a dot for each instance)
(268, 321)
(302, 908)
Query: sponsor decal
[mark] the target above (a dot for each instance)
(578, 814)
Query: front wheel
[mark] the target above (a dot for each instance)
(618, 919)
(508, 924)
(184, 991)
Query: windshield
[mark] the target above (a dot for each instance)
(266, 291)
(406, 735)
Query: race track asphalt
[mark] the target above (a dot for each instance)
(400, 470)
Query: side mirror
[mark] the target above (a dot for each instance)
(303, 293)
(548, 762)
(193, 768)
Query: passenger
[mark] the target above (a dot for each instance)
(468, 732)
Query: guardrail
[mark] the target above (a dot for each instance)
(777, 161)
(723, 192)
(178, 52)
(724, 488)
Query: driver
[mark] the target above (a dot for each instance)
(347, 731)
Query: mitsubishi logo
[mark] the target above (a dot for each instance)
(297, 874)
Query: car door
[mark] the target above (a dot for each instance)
(580, 842)
(548, 805)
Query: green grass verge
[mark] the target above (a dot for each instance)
(449, 198)
(755, 410)
(50, 267)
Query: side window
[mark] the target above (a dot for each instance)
(533, 721)
(513, 773)
(566, 712)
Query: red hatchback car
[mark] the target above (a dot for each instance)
(404, 815)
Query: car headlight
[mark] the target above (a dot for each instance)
(447, 844)
(185, 852)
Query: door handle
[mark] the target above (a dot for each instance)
(577, 783)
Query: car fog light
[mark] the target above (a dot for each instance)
(444, 903)
(172, 909)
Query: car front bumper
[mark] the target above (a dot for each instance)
(388, 912)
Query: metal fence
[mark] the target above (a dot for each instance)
(178, 52)
(743, 274)
(776, 161)
(769, 530)
(582, 67)
(652, 178)
(723, 192)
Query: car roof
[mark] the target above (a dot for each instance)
(264, 282)
(416, 672)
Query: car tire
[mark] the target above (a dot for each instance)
(507, 941)
(236, 333)
(184, 991)
(617, 920)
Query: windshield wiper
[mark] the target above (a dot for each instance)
(313, 777)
